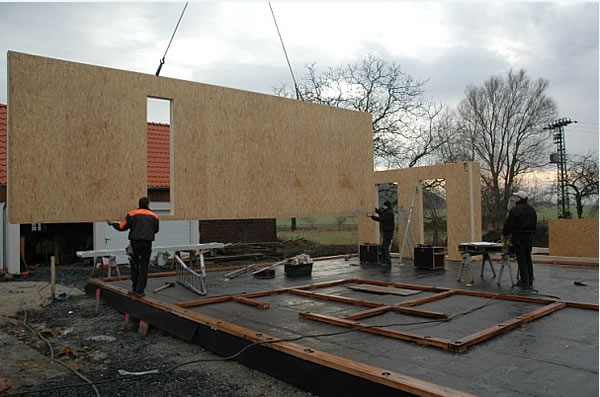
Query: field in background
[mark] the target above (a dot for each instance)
(550, 212)
(330, 230)
(326, 230)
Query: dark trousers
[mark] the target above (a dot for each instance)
(522, 244)
(139, 264)
(385, 248)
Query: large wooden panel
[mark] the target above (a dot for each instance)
(77, 148)
(463, 201)
(573, 237)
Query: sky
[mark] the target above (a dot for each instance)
(235, 44)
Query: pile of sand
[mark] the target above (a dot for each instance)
(29, 295)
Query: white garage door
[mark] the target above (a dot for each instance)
(170, 233)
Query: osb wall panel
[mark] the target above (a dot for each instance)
(463, 200)
(573, 237)
(77, 148)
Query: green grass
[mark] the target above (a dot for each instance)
(316, 221)
(325, 237)
(550, 212)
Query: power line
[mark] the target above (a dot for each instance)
(162, 61)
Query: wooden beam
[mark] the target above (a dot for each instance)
(368, 313)
(378, 289)
(251, 302)
(206, 301)
(420, 313)
(427, 299)
(323, 284)
(463, 344)
(582, 305)
(423, 340)
(335, 298)
(398, 285)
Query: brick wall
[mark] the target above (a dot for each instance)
(238, 230)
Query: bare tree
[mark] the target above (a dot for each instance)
(501, 123)
(405, 130)
(583, 179)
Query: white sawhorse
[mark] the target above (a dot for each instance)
(505, 263)
(466, 262)
(112, 264)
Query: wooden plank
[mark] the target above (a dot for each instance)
(463, 344)
(427, 299)
(398, 285)
(423, 340)
(368, 313)
(383, 290)
(334, 298)
(420, 313)
(399, 309)
(582, 305)
(206, 301)
(270, 292)
(494, 295)
(573, 238)
(324, 284)
(251, 302)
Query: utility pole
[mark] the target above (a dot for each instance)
(560, 159)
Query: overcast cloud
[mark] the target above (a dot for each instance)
(236, 45)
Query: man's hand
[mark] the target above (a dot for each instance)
(108, 222)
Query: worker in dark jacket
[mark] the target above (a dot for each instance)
(142, 225)
(388, 226)
(520, 225)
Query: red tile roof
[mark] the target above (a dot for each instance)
(158, 152)
(158, 155)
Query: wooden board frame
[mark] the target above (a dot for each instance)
(463, 202)
(400, 384)
(376, 308)
(77, 148)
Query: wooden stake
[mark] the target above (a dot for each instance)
(97, 309)
(143, 328)
(53, 277)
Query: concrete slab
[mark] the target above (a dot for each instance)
(555, 355)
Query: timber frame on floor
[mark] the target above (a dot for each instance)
(295, 361)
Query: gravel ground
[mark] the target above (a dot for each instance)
(97, 346)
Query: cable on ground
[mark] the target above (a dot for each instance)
(139, 375)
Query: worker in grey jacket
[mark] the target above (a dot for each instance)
(520, 225)
(388, 226)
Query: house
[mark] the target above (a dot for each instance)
(37, 242)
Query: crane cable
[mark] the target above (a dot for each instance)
(162, 61)
(298, 94)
